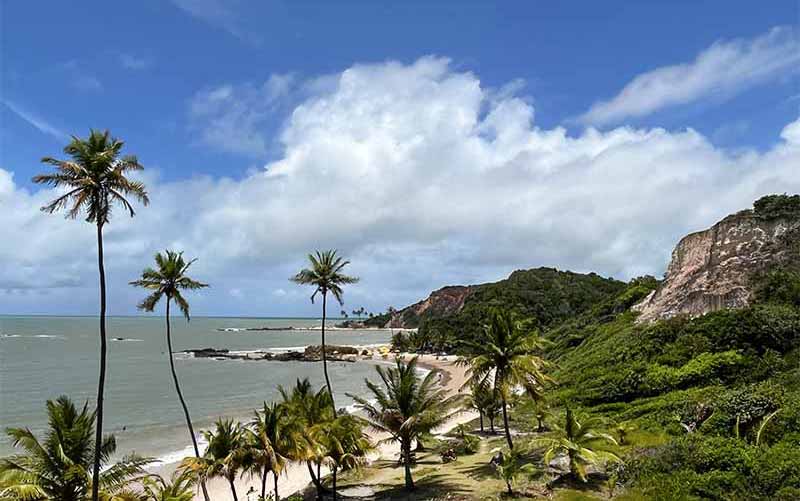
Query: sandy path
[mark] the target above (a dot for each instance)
(295, 477)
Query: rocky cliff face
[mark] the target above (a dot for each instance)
(443, 302)
(713, 269)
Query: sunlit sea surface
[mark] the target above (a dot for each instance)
(44, 357)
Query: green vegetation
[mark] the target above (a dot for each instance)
(506, 358)
(406, 407)
(95, 180)
(545, 296)
(59, 466)
(777, 206)
(167, 281)
(325, 275)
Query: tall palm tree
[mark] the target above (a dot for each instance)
(406, 407)
(168, 280)
(484, 399)
(325, 275)
(225, 455)
(346, 445)
(314, 411)
(94, 180)
(275, 438)
(580, 442)
(507, 356)
(58, 467)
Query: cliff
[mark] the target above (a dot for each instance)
(717, 268)
(443, 302)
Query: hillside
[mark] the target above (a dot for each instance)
(545, 295)
(713, 394)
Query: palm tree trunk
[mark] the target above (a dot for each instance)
(505, 423)
(491, 424)
(98, 434)
(180, 397)
(316, 480)
(275, 475)
(233, 489)
(333, 471)
(264, 483)
(481, 414)
(407, 460)
(324, 354)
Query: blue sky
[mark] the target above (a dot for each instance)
(207, 90)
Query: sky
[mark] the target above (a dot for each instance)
(431, 143)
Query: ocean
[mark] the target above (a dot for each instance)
(42, 357)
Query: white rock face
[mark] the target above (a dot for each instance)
(711, 269)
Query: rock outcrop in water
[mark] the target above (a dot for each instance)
(715, 268)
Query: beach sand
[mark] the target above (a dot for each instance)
(295, 477)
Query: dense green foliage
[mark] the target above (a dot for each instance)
(546, 296)
(775, 206)
(722, 392)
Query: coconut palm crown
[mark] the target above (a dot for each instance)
(581, 442)
(168, 280)
(94, 178)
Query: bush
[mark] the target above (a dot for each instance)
(775, 206)
(705, 368)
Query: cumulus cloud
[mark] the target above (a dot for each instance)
(423, 177)
(724, 69)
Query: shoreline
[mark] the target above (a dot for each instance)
(295, 477)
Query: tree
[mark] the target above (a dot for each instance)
(59, 467)
(95, 180)
(510, 467)
(313, 410)
(406, 407)
(178, 488)
(345, 445)
(580, 442)
(325, 275)
(506, 356)
(484, 399)
(225, 455)
(274, 439)
(168, 280)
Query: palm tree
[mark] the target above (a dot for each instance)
(483, 398)
(579, 441)
(168, 281)
(94, 180)
(506, 354)
(313, 411)
(346, 445)
(406, 407)
(58, 467)
(225, 455)
(275, 438)
(510, 467)
(325, 275)
(178, 488)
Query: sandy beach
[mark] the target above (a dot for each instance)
(296, 478)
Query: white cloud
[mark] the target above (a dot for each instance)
(218, 13)
(232, 118)
(422, 177)
(36, 121)
(725, 68)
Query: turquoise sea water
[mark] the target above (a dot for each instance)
(44, 357)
